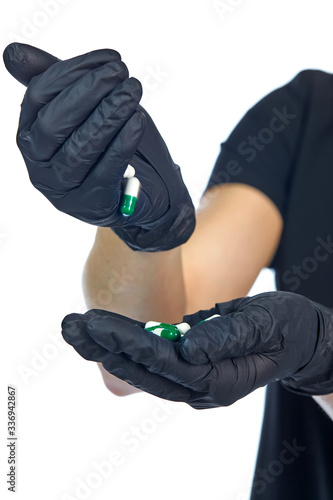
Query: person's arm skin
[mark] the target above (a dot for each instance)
(237, 233)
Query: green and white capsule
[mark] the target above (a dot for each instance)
(167, 331)
(130, 196)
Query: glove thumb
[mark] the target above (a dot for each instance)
(25, 61)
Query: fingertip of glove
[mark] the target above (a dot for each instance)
(69, 318)
(65, 336)
(112, 54)
(11, 52)
(192, 352)
(24, 61)
(72, 327)
(11, 55)
(70, 332)
(136, 87)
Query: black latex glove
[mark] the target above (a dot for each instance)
(80, 126)
(271, 336)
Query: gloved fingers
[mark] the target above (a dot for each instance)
(238, 377)
(215, 384)
(155, 156)
(60, 76)
(101, 191)
(100, 313)
(253, 330)
(157, 355)
(232, 306)
(74, 331)
(71, 107)
(222, 309)
(91, 139)
(138, 376)
(24, 61)
(226, 390)
(134, 356)
(107, 173)
(154, 198)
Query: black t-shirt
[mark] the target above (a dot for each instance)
(284, 147)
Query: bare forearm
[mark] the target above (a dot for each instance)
(237, 232)
(137, 284)
(143, 286)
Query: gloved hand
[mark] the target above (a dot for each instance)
(268, 337)
(80, 126)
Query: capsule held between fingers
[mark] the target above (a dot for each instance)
(130, 196)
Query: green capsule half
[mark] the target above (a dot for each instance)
(128, 204)
(170, 334)
(164, 330)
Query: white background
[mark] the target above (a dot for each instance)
(202, 67)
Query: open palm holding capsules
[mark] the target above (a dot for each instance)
(80, 126)
(248, 343)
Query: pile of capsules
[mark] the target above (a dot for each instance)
(172, 332)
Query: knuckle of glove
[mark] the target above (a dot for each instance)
(192, 350)
(33, 94)
(114, 54)
(31, 148)
(25, 145)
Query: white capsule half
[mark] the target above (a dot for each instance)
(129, 172)
(152, 323)
(183, 328)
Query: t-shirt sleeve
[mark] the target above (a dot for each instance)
(263, 148)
